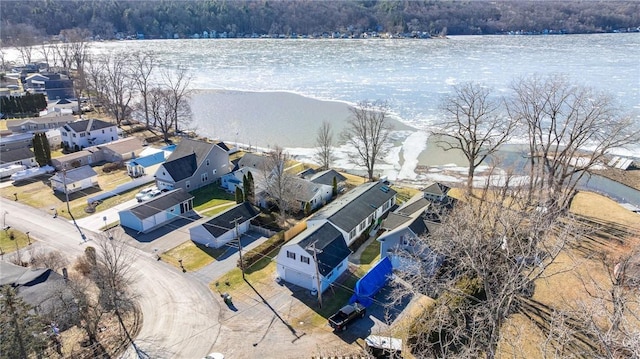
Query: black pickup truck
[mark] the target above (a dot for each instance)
(346, 315)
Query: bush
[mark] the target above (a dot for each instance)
(110, 167)
(251, 257)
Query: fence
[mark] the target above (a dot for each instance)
(122, 188)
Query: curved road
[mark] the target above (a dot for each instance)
(179, 313)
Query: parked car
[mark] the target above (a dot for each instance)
(145, 192)
(214, 356)
(346, 315)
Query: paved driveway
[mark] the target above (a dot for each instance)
(96, 221)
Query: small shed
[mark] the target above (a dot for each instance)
(157, 212)
(74, 180)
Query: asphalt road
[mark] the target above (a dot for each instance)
(180, 314)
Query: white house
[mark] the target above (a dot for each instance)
(19, 156)
(193, 164)
(221, 229)
(296, 264)
(356, 210)
(85, 133)
(74, 180)
(316, 194)
(157, 212)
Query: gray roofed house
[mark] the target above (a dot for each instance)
(42, 123)
(315, 194)
(405, 230)
(326, 177)
(221, 229)
(436, 192)
(74, 180)
(18, 156)
(296, 264)
(85, 133)
(357, 209)
(193, 164)
(253, 160)
(157, 212)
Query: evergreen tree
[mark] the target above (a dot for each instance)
(239, 195)
(250, 193)
(41, 149)
(334, 191)
(21, 329)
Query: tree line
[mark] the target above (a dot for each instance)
(27, 105)
(163, 19)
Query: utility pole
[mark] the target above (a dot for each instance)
(315, 260)
(235, 222)
(66, 193)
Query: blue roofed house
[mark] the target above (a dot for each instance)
(296, 264)
(193, 164)
(221, 229)
(404, 238)
(157, 212)
(356, 210)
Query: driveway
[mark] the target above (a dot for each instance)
(96, 221)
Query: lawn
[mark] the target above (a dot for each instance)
(7, 244)
(193, 256)
(37, 193)
(210, 196)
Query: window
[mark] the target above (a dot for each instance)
(214, 171)
(304, 259)
(82, 134)
(188, 184)
(291, 255)
(64, 134)
(74, 135)
(361, 226)
(207, 161)
(102, 131)
(352, 233)
(204, 177)
(370, 219)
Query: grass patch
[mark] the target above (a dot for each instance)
(7, 244)
(193, 256)
(370, 255)
(261, 271)
(217, 209)
(57, 153)
(210, 196)
(404, 193)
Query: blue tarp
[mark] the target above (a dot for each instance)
(372, 282)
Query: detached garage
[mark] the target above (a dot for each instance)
(221, 229)
(157, 212)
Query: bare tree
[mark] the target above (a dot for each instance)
(324, 155)
(143, 66)
(161, 110)
(473, 125)
(492, 251)
(25, 41)
(52, 260)
(177, 83)
(117, 86)
(570, 130)
(75, 51)
(277, 182)
(368, 132)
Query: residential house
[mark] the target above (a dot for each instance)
(158, 211)
(88, 157)
(37, 124)
(58, 88)
(21, 156)
(121, 150)
(15, 141)
(74, 180)
(315, 194)
(85, 133)
(145, 164)
(54, 137)
(63, 107)
(253, 160)
(403, 239)
(436, 192)
(326, 177)
(193, 164)
(233, 180)
(225, 226)
(35, 83)
(357, 210)
(314, 259)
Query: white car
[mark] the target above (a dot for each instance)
(214, 356)
(150, 195)
(144, 192)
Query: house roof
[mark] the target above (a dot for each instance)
(15, 155)
(331, 248)
(73, 156)
(437, 189)
(303, 189)
(88, 125)
(35, 286)
(74, 175)
(252, 160)
(41, 120)
(356, 205)
(415, 204)
(161, 203)
(123, 146)
(326, 177)
(186, 158)
(394, 220)
(224, 222)
(12, 274)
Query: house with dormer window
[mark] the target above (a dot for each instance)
(357, 210)
(193, 164)
(85, 133)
